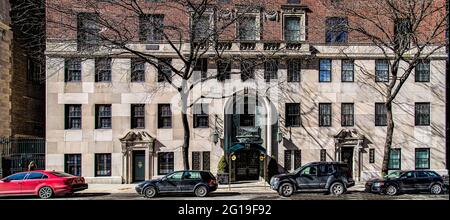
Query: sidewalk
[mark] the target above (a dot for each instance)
(240, 187)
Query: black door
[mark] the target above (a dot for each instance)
(247, 165)
(347, 157)
(138, 166)
(171, 183)
(408, 181)
(190, 180)
(423, 181)
(308, 178)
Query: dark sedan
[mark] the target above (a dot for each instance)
(190, 181)
(407, 181)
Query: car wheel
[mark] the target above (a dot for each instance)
(436, 189)
(286, 190)
(337, 189)
(45, 192)
(391, 190)
(201, 191)
(150, 192)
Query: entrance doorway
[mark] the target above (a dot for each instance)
(247, 165)
(138, 166)
(347, 157)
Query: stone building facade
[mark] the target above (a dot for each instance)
(326, 107)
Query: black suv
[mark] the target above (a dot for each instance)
(403, 181)
(334, 177)
(190, 181)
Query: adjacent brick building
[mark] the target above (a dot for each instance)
(317, 98)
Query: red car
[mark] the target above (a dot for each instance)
(44, 184)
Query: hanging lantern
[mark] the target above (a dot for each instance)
(215, 137)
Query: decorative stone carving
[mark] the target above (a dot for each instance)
(225, 14)
(272, 16)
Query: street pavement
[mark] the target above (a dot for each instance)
(241, 191)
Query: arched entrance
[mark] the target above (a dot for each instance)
(249, 124)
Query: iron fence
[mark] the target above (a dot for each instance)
(17, 153)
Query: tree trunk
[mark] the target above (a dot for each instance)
(186, 130)
(388, 141)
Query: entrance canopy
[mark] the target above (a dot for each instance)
(238, 147)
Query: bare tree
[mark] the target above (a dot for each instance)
(194, 30)
(407, 32)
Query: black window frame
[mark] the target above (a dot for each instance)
(294, 70)
(151, 27)
(73, 70)
(336, 28)
(137, 70)
(101, 111)
(321, 115)
(201, 115)
(399, 159)
(223, 70)
(380, 118)
(344, 117)
(245, 29)
(166, 157)
(103, 70)
(76, 160)
(417, 120)
(73, 112)
(271, 70)
(344, 70)
(88, 34)
(247, 70)
(323, 155)
(103, 164)
(164, 68)
(137, 116)
(379, 78)
(200, 160)
(416, 158)
(161, 117)
(372, 155)
(291, 118)
(327, 71)
(423, 67)
(286, 31)
(201, 66)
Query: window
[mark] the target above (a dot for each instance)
(72, 164)
(36, 176)
(292, 29)
(394, 159)
(270, 70)
(323, 155)
(310, 170)
(18, 176)
(247, 70)
(137, 116)
(371, 155)
(247, 28)
(102, 164)
(191, 175)
(324, 114)
(347, 117)
(103, 116)
(103, 70)
(201, 160)
(422, 71)
(137, 70)
(72, 70)
(402, 31)
(293, 1)
(73, 117)
(247, 119)
(381, 71)
(422, 158)
(292, 156)
(422, 114)
(34, 70)
(292, 114)
(151, 27)
(293, 70)
(380, 114)
(201, 117)
(165, 163)
(336, 30)
(224, 70)
(201, 68)
(325, 71)
(88, 31)
(164, 69)
(348, 71)
(164, 116)
(201, 28)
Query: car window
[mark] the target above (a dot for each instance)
(35, 176)
(18, 176)
(432, 174)
(311, 170)
(325, 169)
(410, 175)
(422, 174)
(175, 176)
(191, 175)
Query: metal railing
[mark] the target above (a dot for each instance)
(17, 153)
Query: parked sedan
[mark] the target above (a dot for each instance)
(199, 182)
(44, 184)
(407, 181)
